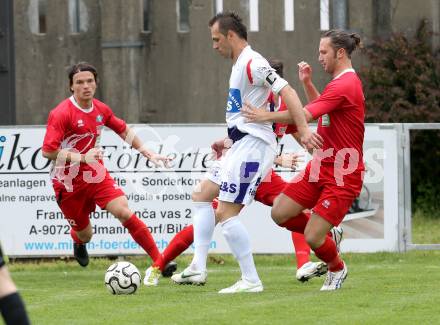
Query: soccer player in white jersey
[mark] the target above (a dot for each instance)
(247, 161)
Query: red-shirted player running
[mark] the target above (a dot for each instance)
(79, 177)
(333, 179)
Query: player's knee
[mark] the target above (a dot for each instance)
(220, 215)
(123, 214)
(277, 215)
(313, 239)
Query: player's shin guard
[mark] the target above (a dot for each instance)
(204, 224)
(302, 249)
(238, 239)
(177, 245)
(141, 235)
(13, 310)
(329, 254)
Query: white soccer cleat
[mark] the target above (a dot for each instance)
(310, 270)
(189, 276)
(152, 275)
(243, 285)
(334, 280)
(337, 234)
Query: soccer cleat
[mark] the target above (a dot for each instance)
(80, 253)
(334, 280)
(337, 234)
(169, 269)
(243, 285)
(310, 270)
(189, 276)
(152, 275)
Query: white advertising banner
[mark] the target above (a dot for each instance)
(31, 224)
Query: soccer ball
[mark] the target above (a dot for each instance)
(122, 278)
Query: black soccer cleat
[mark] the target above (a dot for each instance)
(169, 269)
(81, 255)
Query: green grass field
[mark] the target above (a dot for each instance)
(382, 288)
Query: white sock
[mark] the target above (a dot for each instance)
(204, 224)
(238, 239)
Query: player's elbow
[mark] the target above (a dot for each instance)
(308, 115)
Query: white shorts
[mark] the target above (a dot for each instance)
(242, 169)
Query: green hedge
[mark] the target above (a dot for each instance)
(402, 85)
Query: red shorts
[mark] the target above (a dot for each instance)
(327, 199)
(77, 205)
(270, 188)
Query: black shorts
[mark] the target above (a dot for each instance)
(2, 260)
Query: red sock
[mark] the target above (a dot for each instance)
(302, 249)
(141, 235)
(75, 237)
(297, 224)
(177, 246)
(329, 254)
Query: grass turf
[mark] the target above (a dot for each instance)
(381, 288)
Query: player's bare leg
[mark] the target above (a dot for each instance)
(204, 224)
(239, 242)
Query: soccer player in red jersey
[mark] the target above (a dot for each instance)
(11, 305)
(333, 179)
(79, 177)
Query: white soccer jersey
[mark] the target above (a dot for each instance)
(252, 79)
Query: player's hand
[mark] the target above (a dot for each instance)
(93, 155)
(290, 160)
(220, 147)
(253, 114)
(159, 160)
(311, 140)
(304, 72)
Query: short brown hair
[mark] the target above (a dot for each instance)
(81, 66)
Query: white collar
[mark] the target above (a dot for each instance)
(345, 71)
(88, 110)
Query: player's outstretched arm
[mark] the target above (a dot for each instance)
(65, 155)
(133, 140)
(260, 115)
(305, 76)
(309, 139)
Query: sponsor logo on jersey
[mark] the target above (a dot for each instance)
(326, 204)
(80, 123)
(99, 118)
(325, 120)
(234, 101)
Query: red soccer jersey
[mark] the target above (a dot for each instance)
(71, 127)
(341, 110)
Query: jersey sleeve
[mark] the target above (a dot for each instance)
(55, 131)
(261, 74)
(330, 100)
(116, 124)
